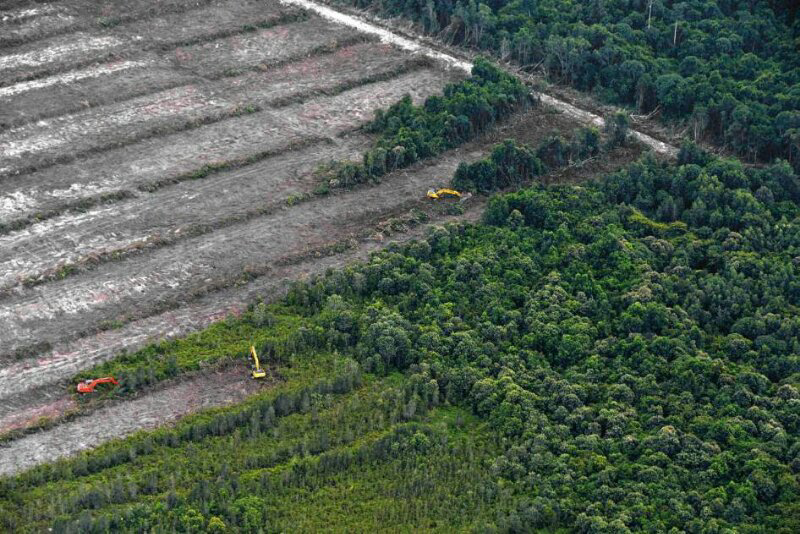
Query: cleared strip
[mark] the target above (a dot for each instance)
(149, 411)
(70, 77)
(80, 49)
(166, 110)
(16, 16)
(48, 134)
(206, 261)
(168, 215)
(36, 58)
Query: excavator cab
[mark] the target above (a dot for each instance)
(257, 370)
(87, 386)
(442, 193)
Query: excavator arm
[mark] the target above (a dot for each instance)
(257, 372)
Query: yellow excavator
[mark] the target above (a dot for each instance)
(442, 193)
(258, 371)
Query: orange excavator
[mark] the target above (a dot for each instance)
(87, 386)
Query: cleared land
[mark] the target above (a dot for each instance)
(157, 150)
(144, 181)
(150, 411)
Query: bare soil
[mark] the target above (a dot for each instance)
(156, 160)
(24, 20)
(48, 141)
(295, 123)
(96, 43)
(20, 413)
(166, 215)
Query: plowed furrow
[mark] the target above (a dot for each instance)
(50, 141)
(167, 215)
(40, 20)
(101, 84)
(149, 73)
(50, 191)
(81, 48)
(26, 24)
(68, 304)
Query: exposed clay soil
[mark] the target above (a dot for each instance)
(157, 247)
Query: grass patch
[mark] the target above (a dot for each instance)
(272, 330)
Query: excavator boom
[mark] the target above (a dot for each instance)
(257, 372)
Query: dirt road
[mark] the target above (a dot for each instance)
(416, 44)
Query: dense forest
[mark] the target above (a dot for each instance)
(619, 356)
(729, 70)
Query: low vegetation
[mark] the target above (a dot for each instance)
(407, 133)
(342, 442)
(273, 332)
